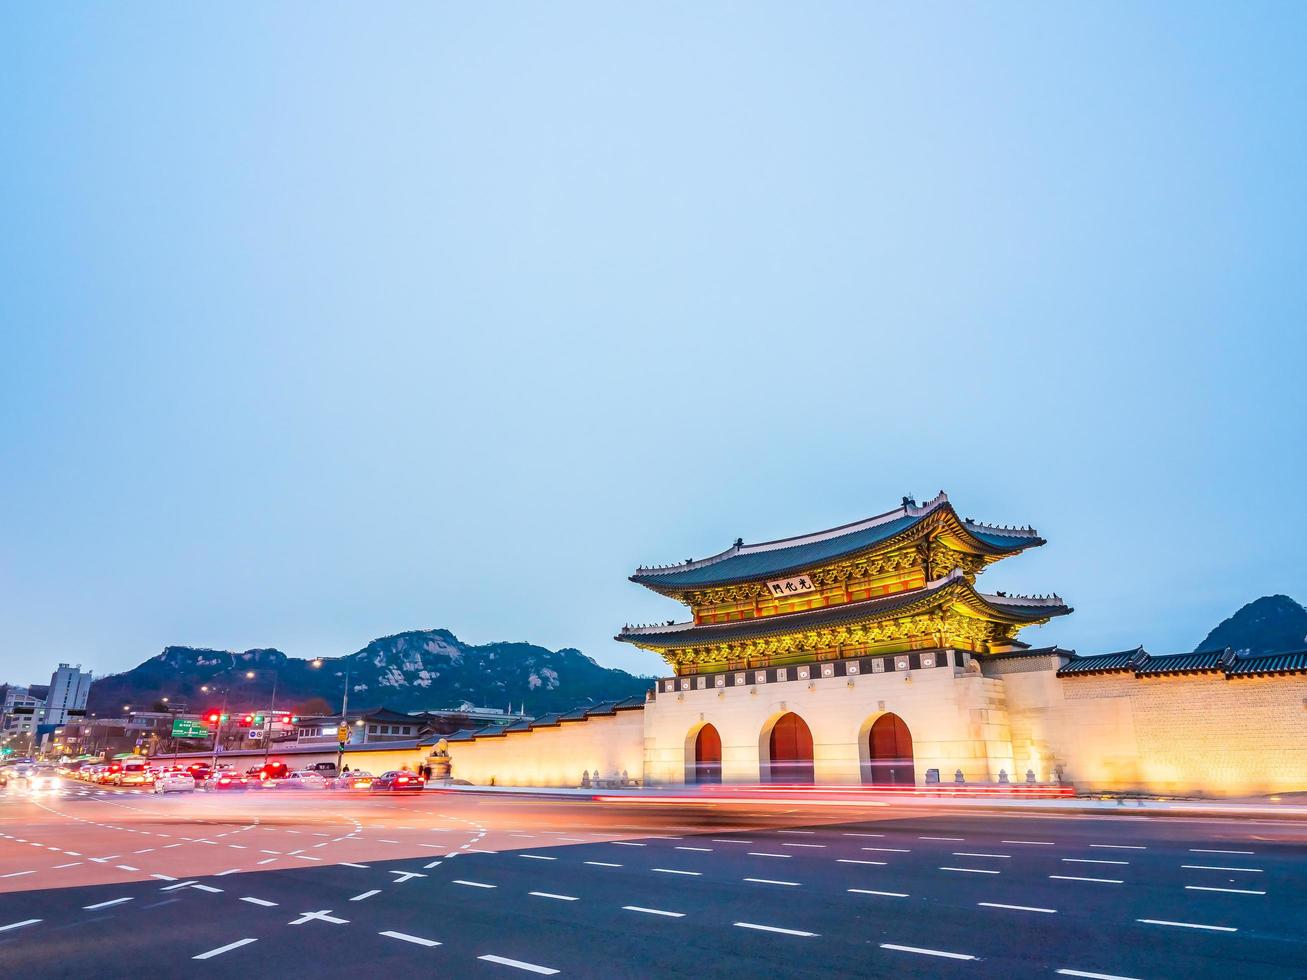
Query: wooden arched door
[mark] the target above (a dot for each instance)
(890, 753)
(790, 746)
(708, 755)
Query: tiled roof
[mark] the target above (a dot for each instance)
(688, 634)
(1269, 663)
(769, 559)
(1185, 663)
(602, 709)
(1104, 663)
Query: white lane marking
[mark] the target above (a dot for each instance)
(229, 871)
(768, 854)
(1232, 891)
(683, 847)
(163, 877)
(928, 952)
(796, 831)
(307, 857)
(348, 865)
(1187, 925)
(637, 908)
(1036, 843)
(518, 964)
(856, 861)
(973, 871)
(538, 857)
(971, 854)
(207, 888)
(942, 838)
(17, 874)
(259, 901)
(1091, 861)
(74, 864)
(1101, 881)
(1093, 976)
(265, 861)
(1208, 867)
(891, 850)
(19, 925)
(626, 843)
(1015, 908)
(367, 894)
(405, 937)
(321, 915)
(799, 844)
(603, 864)
(473, 884)
(224, 949)
(561, 898)
(180, 884)
(783, 932)
(673, 871)
(105, 905)
(433, 864)
(1212, 850)
(729, 840)
(771, 881)
(852, 834)
(1117, 847)
(868, 891)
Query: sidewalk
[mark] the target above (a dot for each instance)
(836, 796)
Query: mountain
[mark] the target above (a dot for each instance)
(1271, 624)
(420, 669)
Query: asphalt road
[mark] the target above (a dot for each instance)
(114, 883)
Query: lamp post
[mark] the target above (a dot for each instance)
(217, 729)
(272, 710)
(344, 709)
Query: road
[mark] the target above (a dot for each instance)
(115, 883)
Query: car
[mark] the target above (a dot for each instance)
(200, 770)
(41, 778)
(398, 781)
(226, 780)
(175, 781)
(302, 779)
(133, 772)
(356, 779)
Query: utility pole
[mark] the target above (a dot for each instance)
(344, 721)
(272, 714)
(217, 731)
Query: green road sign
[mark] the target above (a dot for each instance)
(186, 728)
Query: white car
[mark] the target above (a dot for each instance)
(304, 779)
(174, 782)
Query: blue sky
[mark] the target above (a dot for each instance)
(321, 322)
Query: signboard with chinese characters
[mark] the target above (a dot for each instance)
(189, 728)
(791, 586)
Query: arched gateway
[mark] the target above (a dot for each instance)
(789, 752)
(889, 755)
(708, 755)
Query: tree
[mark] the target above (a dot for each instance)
(314, 706)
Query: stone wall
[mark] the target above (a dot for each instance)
(555, 756)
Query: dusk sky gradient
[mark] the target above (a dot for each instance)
(327, 321)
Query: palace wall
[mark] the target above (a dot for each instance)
(957, 718)
(557, 755)
(1189, 734)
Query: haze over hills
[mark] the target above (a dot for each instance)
(1271, 624)
(415, 670)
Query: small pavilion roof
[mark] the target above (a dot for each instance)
(954, 586)
(769, 559)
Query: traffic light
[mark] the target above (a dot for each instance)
(258, 720)
(223, 718)
(213, 717)
(294, 719)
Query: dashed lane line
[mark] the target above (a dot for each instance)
(973, 871)
(768, 854)
(519, 964)
(405, 937)
(772, 881)
(1117, 847)
(105, 905)
(538, 857)
(908, 850)
(224, 949)
(1187, 925)
(928, 952)
(367, 894)
(1212, 850)
(19, 925)
(964, 854)
(473, 884)
(1232, 891)
(1208, 867)
(674, 871)
(956, 839)
(639, 908)
(1100, 881)
(784, 932)
(858, 861)
(1033, 843)
(1015, 908)
(561, 898)
(603, 864)
(1092, 976)
(1091, 861)
(868, 891)
(259, 901)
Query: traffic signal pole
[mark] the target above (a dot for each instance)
(217, 732)
(344, 722)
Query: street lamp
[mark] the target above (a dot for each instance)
(344, 708)
(272, 708)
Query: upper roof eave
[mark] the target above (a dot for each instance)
(768, 559)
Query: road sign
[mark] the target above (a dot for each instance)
(188, 728)
(342, 734)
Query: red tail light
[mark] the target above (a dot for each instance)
(402, 779)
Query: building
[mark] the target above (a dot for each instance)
(69, 689)
(867, 654)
